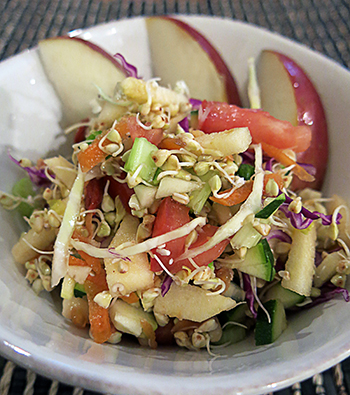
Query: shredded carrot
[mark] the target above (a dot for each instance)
(74, 261)
(132, 298)
(238, 196)
(285, 160)
(93, 155)
(149, 333)
(171, 143)
(100, 324)
(241, 194)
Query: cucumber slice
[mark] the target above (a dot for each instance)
(258, 262)
(141, 154)
(271, 208)
(231, 334)
(24, 188)
(267, 332)
(237, 314)
(287, 297)
(199, 197)
(79, 290)
(247, 236)
(246, 171)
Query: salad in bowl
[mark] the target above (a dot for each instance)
(181, 218)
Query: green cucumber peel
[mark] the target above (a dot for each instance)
(141, 155)
(272, 207)
(246, 171)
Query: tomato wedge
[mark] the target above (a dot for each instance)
(170, 216)
(216, 117)
(206, 257)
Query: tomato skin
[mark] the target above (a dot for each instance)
(206, 257)
(130, 124)
(170, 216)
(122, 190)
(93, 194)
(216, 117)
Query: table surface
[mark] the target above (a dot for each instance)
(323, 25)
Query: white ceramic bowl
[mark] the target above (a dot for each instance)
(32, 331)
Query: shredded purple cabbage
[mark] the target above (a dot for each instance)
(37, 176)
(304, 219)
(185, 124)
(280, 235)
(195, 103)
(309, 168)
(166, 285)
(248, 157)
(328, 292)
(268, 164)
(249, 295)
(112, 251)
(131, 70)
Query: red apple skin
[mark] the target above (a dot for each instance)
(233, 96)
(310, 112)
(95, 48)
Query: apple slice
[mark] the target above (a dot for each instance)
(179, 52)
(75, 67)
(287, 93)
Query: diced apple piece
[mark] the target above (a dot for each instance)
(300, 264)
(64, 170)
(75, 67)
(180, 52)
(128, 319)
(190, 302)
(228, 142)
(344, 225)
(125, 277)
(22, 251)
(287, 93)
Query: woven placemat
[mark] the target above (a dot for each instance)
(323, 25)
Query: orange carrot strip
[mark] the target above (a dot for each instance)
(241, 194)
(100, 324)
(132, 298)
(171, 143)
(94, 263)
(285, 160)
(238, 196)
(93, 154)
(73, 261)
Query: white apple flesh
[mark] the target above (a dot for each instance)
(287, 93)
(75, 68)
(180, 52)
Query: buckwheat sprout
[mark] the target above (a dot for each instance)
(143, 126)
(93, 211)
(161, 264)
(194, 264)
(345, 248)
(53, 180)
(227, 176)
(194, 272)
(167, 173)
(253, 286)
(76, 126)
(182, 151)
(36, 249)
(234, 323)
(208, 348)
(335, 216)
